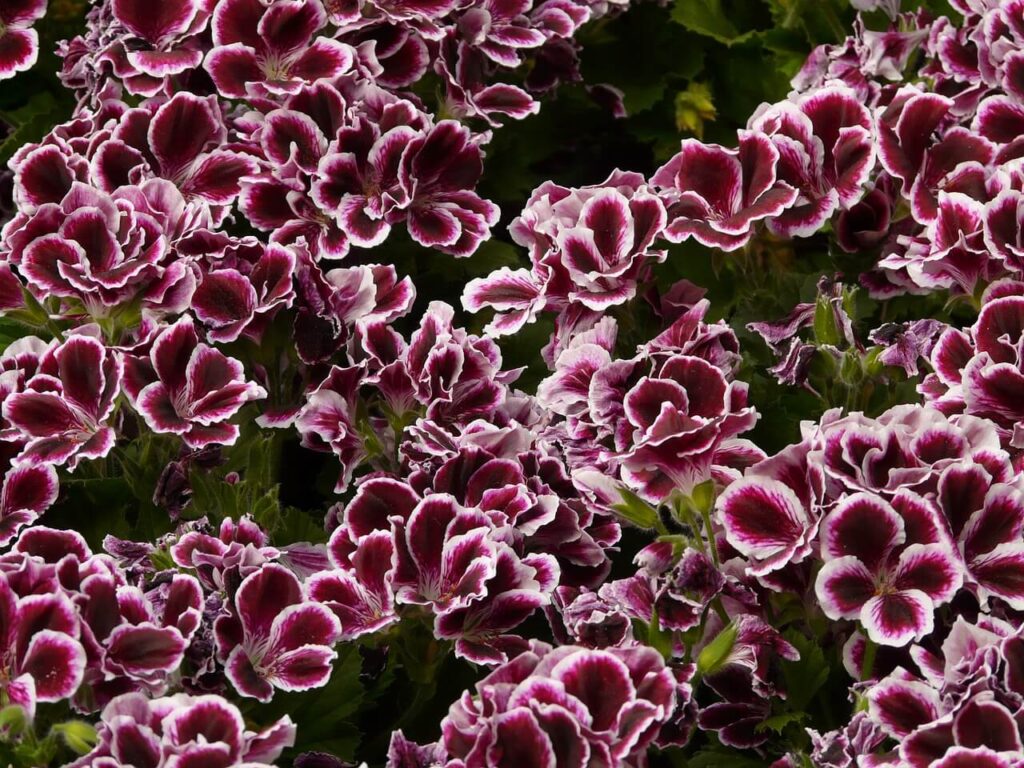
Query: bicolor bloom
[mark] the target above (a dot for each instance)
(871, 573)
(276, 638)
(19, 43)
(62, 413)
(187, 388)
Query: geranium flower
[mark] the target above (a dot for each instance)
(148, 46)
(222, 562)
(103, 251)
(717, 195)
(19, 43)
(63, 410)
(767, 523)
(27, 492)
(567, 706)
(276, 638)
(182, 730)
(589, 246)
(43, 660)
(262, 50)
(961, 712)
(243, 290)
(908, 152)
(826, 152)
(681, 419)
(187, 388)
(874, 574)
(360, 589)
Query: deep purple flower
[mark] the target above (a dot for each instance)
(362, 595)
(567, 707)
(873, 573)
(182, 730)
(19, 43)
(717, 195)
(43, 660)
(243, 290)
(276, 638)
(187, 388)
(908, 152)
(767, 523)
(62, 412)
(826, 152)
(262, 50)
(590, 246)
(101, 251)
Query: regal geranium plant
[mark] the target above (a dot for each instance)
(327, 441)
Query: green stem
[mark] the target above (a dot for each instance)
(706, 514)
(868, 665)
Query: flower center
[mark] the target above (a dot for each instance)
(276, 69)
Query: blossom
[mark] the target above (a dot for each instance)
(154, 733)
(872, 572)
(767, 523)
(276, 638)
(43, 659)
(959, 712)
(271, 50)
(450, 559)
(243, 290)
(187, 388)
(104, 251)
(19, 43)
(619, 697)
(62, 412)
(591, 246)
(826, 153)
(716, 195)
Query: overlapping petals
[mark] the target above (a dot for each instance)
(563, 707)
(187, 388)
(276, 638)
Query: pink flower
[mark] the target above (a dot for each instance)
(19, 43)
(187, 388)
(275, 637)
(62, 412)
(873, 573)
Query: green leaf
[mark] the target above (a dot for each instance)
(636, 510)
(31, 122)
(715, 653)
(804, 677)
(656, 50)
(709, 18)
(825, 329)
(777, 723)
(323, 714)
(79, 735)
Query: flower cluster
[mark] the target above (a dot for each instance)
(566, 706)
(261, 479)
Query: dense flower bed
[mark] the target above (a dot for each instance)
(265, 477)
